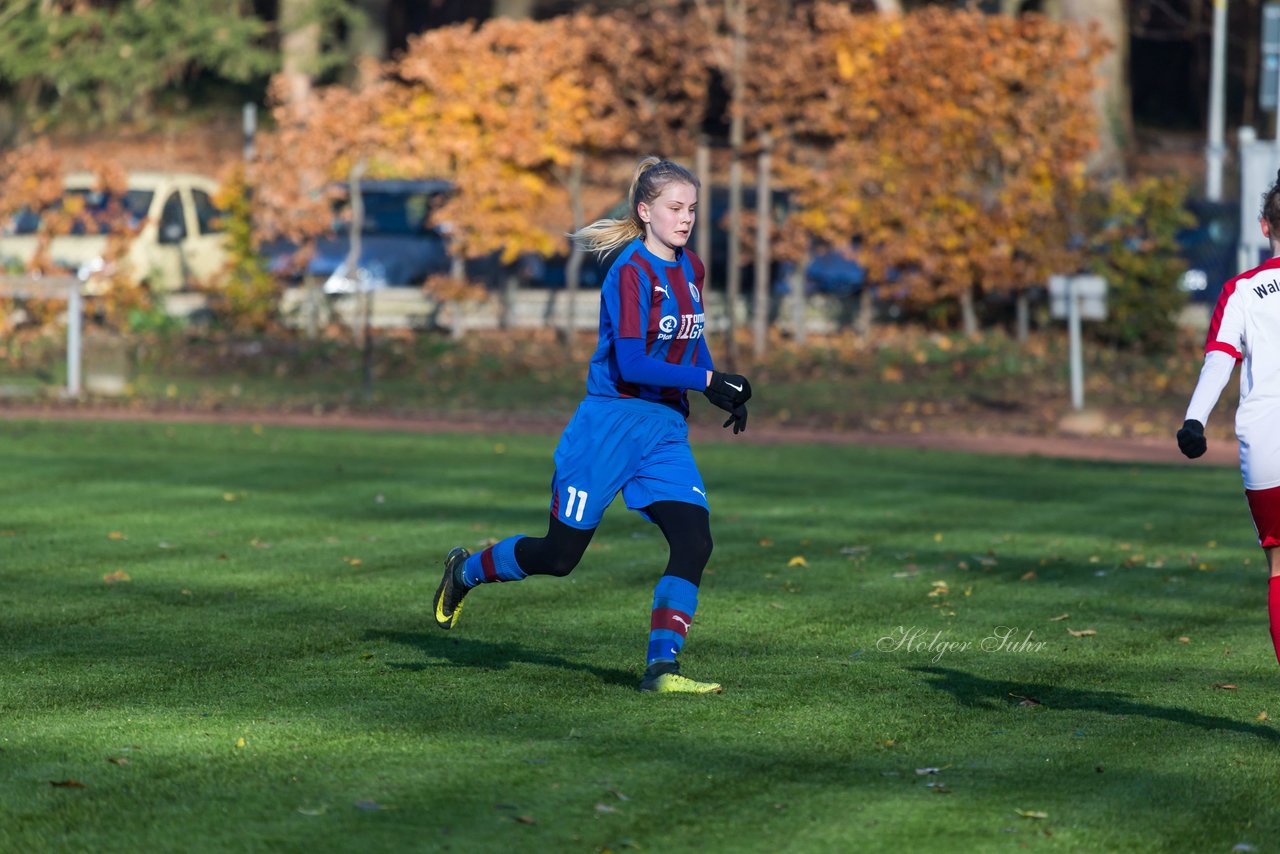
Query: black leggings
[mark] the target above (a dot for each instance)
(687, 528)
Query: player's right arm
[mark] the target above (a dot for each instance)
(1223, 345)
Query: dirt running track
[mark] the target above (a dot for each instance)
(1069, 447)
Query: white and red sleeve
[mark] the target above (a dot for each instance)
(1213, 379)
(1227, 325)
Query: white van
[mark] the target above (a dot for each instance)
(181, 241)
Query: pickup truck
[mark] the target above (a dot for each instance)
(180, 242)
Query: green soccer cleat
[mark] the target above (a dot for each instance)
(448, 601)
(663, 677)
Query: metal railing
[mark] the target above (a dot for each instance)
(54, 287)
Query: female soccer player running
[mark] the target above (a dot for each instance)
(1246, 327)
(630, 434)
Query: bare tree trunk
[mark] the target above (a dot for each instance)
(573, 269)
(513, 8)
(1111, 99)
(968, 313)
(1022, 307)
(369, 40)
(702, 168)
(510, 287)
(733, 273)
(866, 310)
(799, 299)
(764, 218)
(1251, 64)
(363, 290)
(300, 46)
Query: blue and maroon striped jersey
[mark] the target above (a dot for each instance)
(660, 303)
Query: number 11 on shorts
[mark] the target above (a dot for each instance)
(581, 499)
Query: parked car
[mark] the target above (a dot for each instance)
(181, 238)
(1209, 248)
(398, 244)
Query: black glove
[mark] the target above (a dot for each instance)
(730, 392)
(1191, 439)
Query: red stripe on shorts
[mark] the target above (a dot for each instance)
(1264, 506)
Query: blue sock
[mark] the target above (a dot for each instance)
(496, 563)
(674, 601)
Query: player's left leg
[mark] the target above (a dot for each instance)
(675, 598)
(1273, 596)
(1264, 507)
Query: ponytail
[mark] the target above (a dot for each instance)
(652, 176)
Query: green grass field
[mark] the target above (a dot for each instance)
(218, 638)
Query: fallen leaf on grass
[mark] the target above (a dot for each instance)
(526, 819)
(940, 588)
(240, 742)
(766, 542)
(1262, 716)
(313, 811)
(67, 784)
(798, 560)
(605, 808)
(117, 760)
(1083, 633)
(1184, 639)
(230, 496)
(1059, 618)
(1025, 701)
(353, 561)
(116, 535)
(113, 577)
(1226, 686)
(1036, 814)
(1029, 575)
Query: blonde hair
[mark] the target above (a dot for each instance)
(653, 175)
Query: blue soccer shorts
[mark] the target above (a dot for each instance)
(638, 447)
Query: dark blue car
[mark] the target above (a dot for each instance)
(399, 246)
(1209, 248)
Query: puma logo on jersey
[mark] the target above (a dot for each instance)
(660, 289)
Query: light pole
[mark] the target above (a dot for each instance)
(1216, 149)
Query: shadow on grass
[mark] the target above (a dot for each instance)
(970, 690)
(458, 652)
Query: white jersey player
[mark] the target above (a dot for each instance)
(1245, 328)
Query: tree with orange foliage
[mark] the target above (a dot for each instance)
(31, 178)
(954, 170)
(508, 111)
